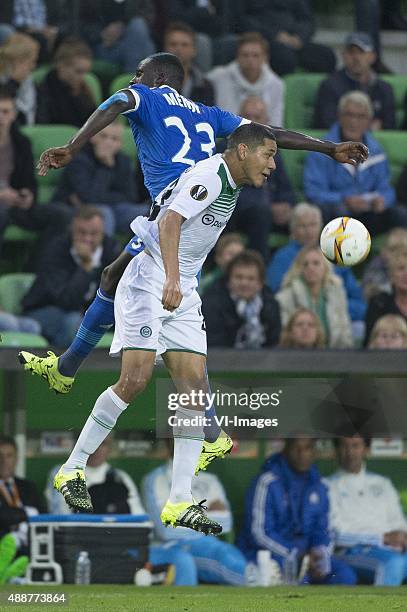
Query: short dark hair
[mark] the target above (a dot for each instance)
(247, 258)
(250, 134)
(336, 441)
(253, 37)
(87, 212)
(170, 66)
(179, 26)
(8, 92)
(7, 440)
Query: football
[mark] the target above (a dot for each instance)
(345, 241)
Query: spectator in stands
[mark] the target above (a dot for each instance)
(202, 16)
(289, 27)
(390, 303)
(103, 176)
(357, 74)
(363, 192)
(401, 186)
(311, 283)
(10, 322)
(305, 230)
(118, 31)
(64, 96)
(375, 277)
(19, 497)
(68, 276)
(211, 560)
(179, 39)
(303, 331)
(249, 75)
(31, 17)
(228, 246)
(286, 512)
(241, 311)
(18, 58)
(259, 211)
(112, 490)
(18, 186)
(389, 332)
(369, 527)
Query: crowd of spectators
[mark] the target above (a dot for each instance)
(235, 57)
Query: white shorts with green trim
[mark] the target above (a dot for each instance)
(141, 321)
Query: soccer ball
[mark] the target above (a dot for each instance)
(345, 241)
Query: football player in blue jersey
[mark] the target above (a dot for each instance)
(171, 133)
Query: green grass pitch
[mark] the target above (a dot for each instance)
(214, 599)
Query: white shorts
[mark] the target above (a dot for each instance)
(141, 321)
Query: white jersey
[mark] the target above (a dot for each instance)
(206, 197)
(363, 507)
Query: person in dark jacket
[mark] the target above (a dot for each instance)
(19, 497)
(286, 513)
(390, 303)
(289, 27)
(64, 96)
(68, 275)
(357, 74)
(179, 39)
(18, 186)
(103, 176)
(239, 310)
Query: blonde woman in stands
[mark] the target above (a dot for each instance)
(389, 332)
(303, 331)
(18, 58)
(311, 283)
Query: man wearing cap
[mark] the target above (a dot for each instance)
(357, 74)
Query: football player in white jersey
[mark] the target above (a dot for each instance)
(157, 310)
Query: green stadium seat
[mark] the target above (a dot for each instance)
(21, 339)
(300, 93)
(294, 164)
(18, 234)
(399, 85)
(105, 71)
(395, 145)
(13, 287)
(129, 146)
(43, 137)
(91, 79)
(120, 82)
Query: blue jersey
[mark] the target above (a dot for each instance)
(173, 133)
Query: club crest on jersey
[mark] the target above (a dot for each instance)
(199, 192)
(146, 331)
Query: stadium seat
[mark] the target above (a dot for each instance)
(13, 287)
(399, 85)
(129, 146)
(300, 93)
(22, 339)
(42, 137)
(120, 82)
(91, 79)
(395, 145)
(294, 164)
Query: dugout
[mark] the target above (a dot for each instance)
(28, 410)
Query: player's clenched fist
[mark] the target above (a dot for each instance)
(57, 157)
(172, 295)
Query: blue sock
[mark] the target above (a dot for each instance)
(98, 319)
(211, 431)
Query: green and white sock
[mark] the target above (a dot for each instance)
(102, 419)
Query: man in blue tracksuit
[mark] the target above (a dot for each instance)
(362, 191)
(286, 513)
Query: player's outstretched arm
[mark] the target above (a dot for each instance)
(344, 152)
(58, 157)
(169, 228)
